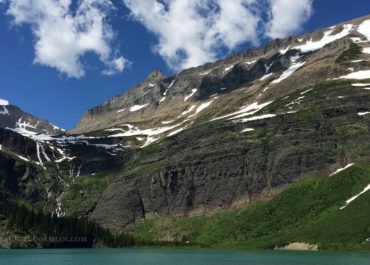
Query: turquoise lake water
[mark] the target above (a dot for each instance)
(177, 257)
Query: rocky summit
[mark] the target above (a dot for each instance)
(206, 140)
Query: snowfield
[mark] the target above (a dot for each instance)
(364, 29)
(311, 46)
(365, 74)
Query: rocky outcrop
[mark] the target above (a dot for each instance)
(19, 181)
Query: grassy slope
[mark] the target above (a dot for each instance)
(306, 212)
(84, 191)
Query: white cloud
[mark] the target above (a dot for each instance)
(189, 32)
(287, 17)
(192, 32)
(63, 36)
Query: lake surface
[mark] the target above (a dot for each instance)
(177, 257)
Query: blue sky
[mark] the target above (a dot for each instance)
(56, 75)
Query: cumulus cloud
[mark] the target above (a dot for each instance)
(63, 37)
(193, 32)
(288, 16)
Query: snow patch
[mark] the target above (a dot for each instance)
(367, 188)
(250, 62)
(366, 50)
(151, 85)
(22, 158)
(187, 111)
(282, 52)
(176, 131)
(358, 40)
(38, 153)
(227, 69)
(150, 140)
(364, 29)
(245, 111)
(193, 91)
(172, 83)
(311, 46)
(266, 76)
(44, 153)
(295, 58)
(167, 122)
(268, 67)
(260, 117)
(363, 113)
(365, 74)
(296, 101)
(304, 92)
(341, 169)
(205, 73)
(357, 61)
(114, 129)
(360, 85)
(152, 134)
(121, 110)
(288, 72)
(4, 102)
(64, 158)
(138, 107)
(56, 127)
(247, 130)
(165, 92)
(204, 105)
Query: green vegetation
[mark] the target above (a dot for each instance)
(308, 211)
(84, 191)
(350, 54)
(49, 231)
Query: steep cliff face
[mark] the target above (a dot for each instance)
(238, 130)
(227, 164)
(19, 180)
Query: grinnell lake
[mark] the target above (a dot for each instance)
(178, 257)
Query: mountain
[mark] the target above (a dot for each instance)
(210, 140)
(226, 134)
(12, 117)
(38, 159)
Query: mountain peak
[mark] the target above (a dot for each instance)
(155, 75)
